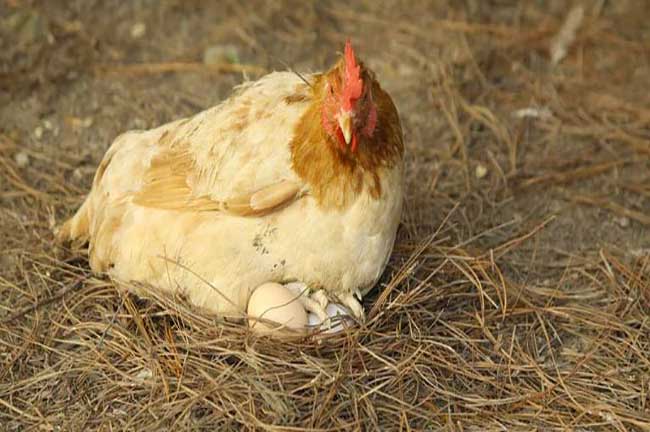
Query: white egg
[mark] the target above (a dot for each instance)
(335, 309)
(336, 313)
(313, 320)
(273, 302)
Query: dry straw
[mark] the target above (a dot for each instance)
(498, 311)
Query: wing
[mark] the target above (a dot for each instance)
(232, 158)
(168, 185)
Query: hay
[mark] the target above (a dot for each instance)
(516, 299)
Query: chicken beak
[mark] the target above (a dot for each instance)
(345, 123)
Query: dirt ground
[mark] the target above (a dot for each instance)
(518, 294)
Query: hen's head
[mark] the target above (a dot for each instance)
(348, 111)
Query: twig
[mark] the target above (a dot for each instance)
(74, 285)
(608, 204)
(567, 34)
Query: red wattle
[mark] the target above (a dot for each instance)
(354, 142)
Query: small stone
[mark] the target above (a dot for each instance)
(75, 26)
(144, 374)
(38, 132)
(138, 30)
(623, 221)
(481, 171)
(217, 54)
(22, 159)
(79, 122)
(48, 125)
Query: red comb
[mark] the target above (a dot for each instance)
(352, 84)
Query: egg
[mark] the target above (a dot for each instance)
(335, 309)
(273, 302)
(336, 313)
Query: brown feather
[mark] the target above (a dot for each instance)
(336, 177)
(166, 186)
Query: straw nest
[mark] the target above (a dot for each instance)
(517, 297)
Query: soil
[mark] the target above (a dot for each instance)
(529, 180)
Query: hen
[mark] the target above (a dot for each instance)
(291, 179)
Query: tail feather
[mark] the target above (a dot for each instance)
(76, 229)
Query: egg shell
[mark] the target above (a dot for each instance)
(313, 320)
(334, 311)
(273, 302)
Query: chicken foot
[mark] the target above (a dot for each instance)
(315, 302)
(354, 305)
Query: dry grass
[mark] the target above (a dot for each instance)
(518, 296)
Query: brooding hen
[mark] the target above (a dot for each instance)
(285, 181)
